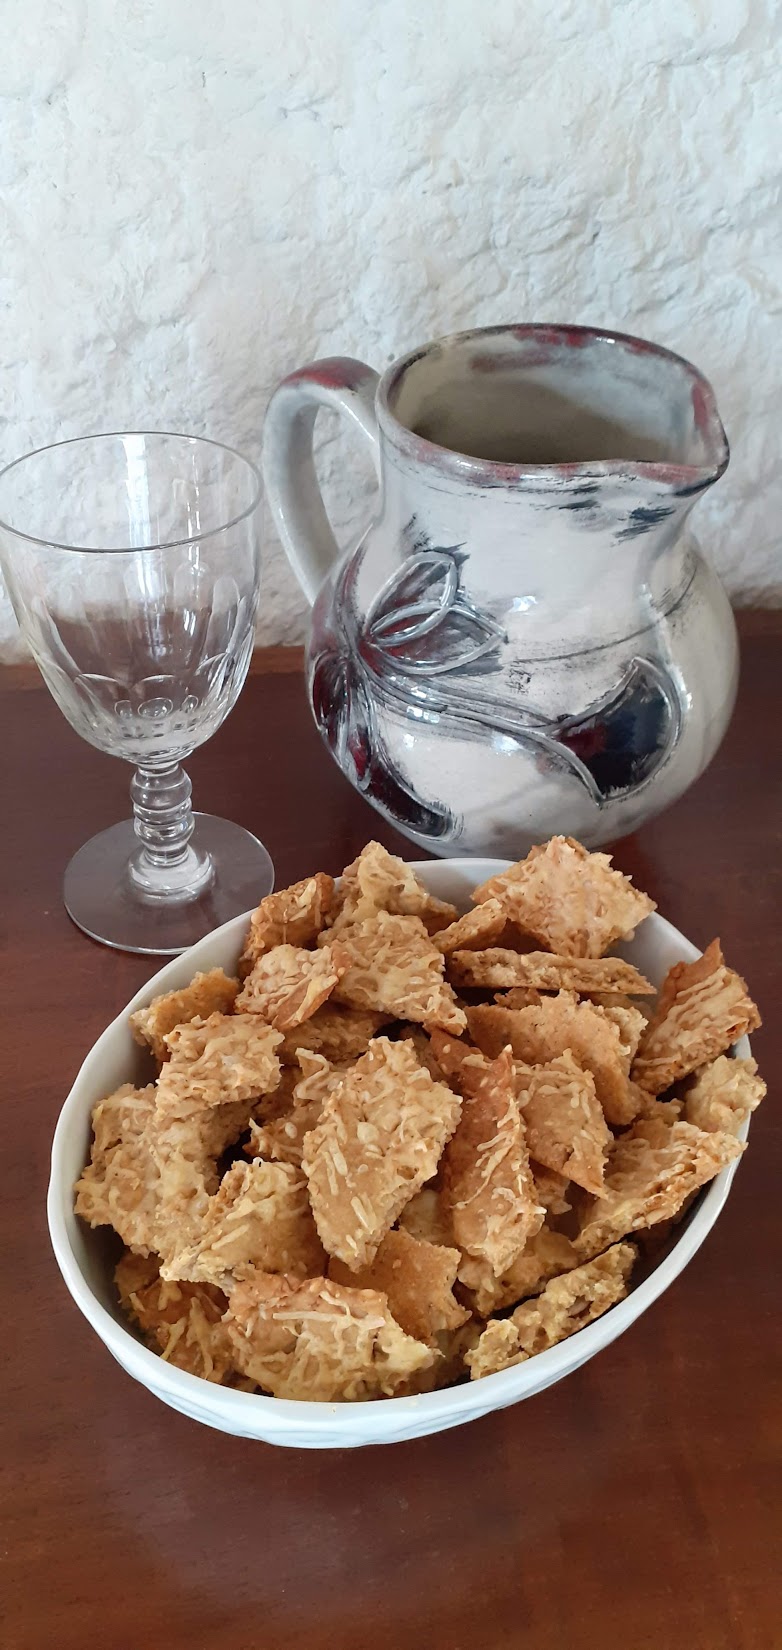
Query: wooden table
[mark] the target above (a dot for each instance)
(634, 1505)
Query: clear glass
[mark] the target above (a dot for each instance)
(133, 564)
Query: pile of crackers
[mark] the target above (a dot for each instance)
(405, 1147)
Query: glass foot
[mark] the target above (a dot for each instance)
(101, 898)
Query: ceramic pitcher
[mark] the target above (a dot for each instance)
(526, 639)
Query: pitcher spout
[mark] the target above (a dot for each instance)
(622, 432)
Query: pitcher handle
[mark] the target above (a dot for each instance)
(292, 486)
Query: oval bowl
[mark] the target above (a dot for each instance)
(85, 1260)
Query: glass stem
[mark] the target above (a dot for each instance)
(166, 866)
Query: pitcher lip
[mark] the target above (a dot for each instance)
(683, 479)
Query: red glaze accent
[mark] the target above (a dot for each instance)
(336, 372)
(701, 408)
(556, 337)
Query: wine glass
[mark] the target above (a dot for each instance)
(133, 564)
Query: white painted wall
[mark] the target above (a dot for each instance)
(197, 197)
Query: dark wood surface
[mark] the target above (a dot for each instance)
(636, 1504)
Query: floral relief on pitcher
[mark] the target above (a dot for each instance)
(426, 649)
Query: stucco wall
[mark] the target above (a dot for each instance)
(195, 199)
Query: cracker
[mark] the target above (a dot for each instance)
(393, 967)
(564, 1122)
(461, 1063)
(206, 1094)
(652, 1170)
(266, 1108)
(426, 1217)
(630, 1023)
(702, 1009)
(292, 916)
(521, 996)
(335, 1032)
(212, 993)
(380, 1136)
(566, 1305)
(259, 1218)
(450, 1367)
(551, 1190)
(556, 1025)
(185, 1140)
(497, 969)
(572, 902)
(722, 1095)
(545, 1255)
(119, 1187)
(477, 928)
(378, 881)
(618, 999)
(320, 1342)
(225, 1057)
(424, 1051)
(488, 1190)
(181, 1321)
(282, 1138)
(288, 985)
(566, 1129)
(417, 1279)
(651, 1109)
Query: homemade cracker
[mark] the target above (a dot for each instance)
(260, 1217)
(566, 1129)
(520, 996)
(378, 881)
(318, 1341)
(339, 1034)
(292, 916)
(181, 1321)
(426, 1217)
(555, 1026)
(702, 1009)
(225, 1057)
(288, 985)
(393, 967)
(380, 1136)
(488, 1190)
(461, 1063)
(185, 1141)
(282, 1138)
(652, 1170)
(551, 1190)
(508, 970)
(424, 1051)
(567, 1304)
(477, 928)
(417, 1279)
(722, 1095)
(545, 1255)
(630, 1023)
(212, 993)
(119, 1186)
(450, 1367)
(652, 1109)
(572, 902)
(615, 999)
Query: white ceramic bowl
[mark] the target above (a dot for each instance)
(82, 1254)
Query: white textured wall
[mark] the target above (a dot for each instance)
(195, 198)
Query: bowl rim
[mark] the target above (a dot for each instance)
(306, 1416)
